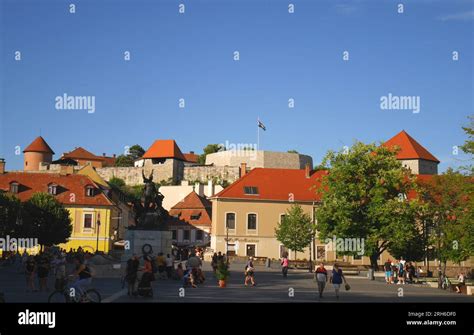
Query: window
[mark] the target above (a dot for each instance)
(88, 220)
(186, 234)
(174, 234)
(320, 252)
(231, 249)
(199, 235)
(89, 191)
(252, 221)
(250, 250)
(195, 216)
(282, 216)
(230, 220)
(14, 187)
(53, 189)
(251, 190)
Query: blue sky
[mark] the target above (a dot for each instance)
(190, 56)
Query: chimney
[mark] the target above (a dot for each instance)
(114, 155)
(307, 170)
(103, 154)
(191, 152)
(243, 169)
(2, 166)
(210, 188)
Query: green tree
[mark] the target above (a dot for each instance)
(468, 146)
(292, 152)
(296, 230)
(136, 152)
(449, 217)
(127, 160)
(10, 208)
(117, 183)
(209, 149)
(364, 196)
(46, 219)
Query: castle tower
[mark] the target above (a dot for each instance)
(412, 154)
(36, 153)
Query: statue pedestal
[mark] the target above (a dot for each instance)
(160, 241)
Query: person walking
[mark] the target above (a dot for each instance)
(337, 278)
(169, 266)
(284, 265)
(321, 275)
(388, 271)
(131, 274)
(250, 273)
(30, 269)
(214, 262)
(43, 272)
(60, 271)
(401, 272)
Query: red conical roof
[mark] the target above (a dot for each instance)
(409, 147)
(39, 145)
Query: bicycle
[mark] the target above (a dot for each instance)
(64, 295)
(446, 283)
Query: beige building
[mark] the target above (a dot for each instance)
(245, 214)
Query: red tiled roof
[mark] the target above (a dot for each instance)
(276, 184)
(193, 200)
(191, 157)
(164, 149)
(31, 183)
(191, 205)
(39, 145)
(81, 153)
(409, 147)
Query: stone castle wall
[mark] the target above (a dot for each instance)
(215, 173)
(261, 159)
(133, 175)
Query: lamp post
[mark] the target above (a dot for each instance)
(98, 229)
(227, 245)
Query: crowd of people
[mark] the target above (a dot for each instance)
(53, 263)
(401, 272)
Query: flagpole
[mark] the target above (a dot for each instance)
(258, 133)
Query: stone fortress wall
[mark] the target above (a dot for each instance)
(261, 159)
(221, 166)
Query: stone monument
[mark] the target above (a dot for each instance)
(150, 234)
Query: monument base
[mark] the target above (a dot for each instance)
(155, 241)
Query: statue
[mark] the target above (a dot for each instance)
(149, 211)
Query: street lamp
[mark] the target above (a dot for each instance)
(227, 245)
(98, 228)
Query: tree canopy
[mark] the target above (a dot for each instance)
(296, 229)
(364, 196)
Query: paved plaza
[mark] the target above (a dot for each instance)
(271, 287)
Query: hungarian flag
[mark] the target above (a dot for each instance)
(261, 125)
